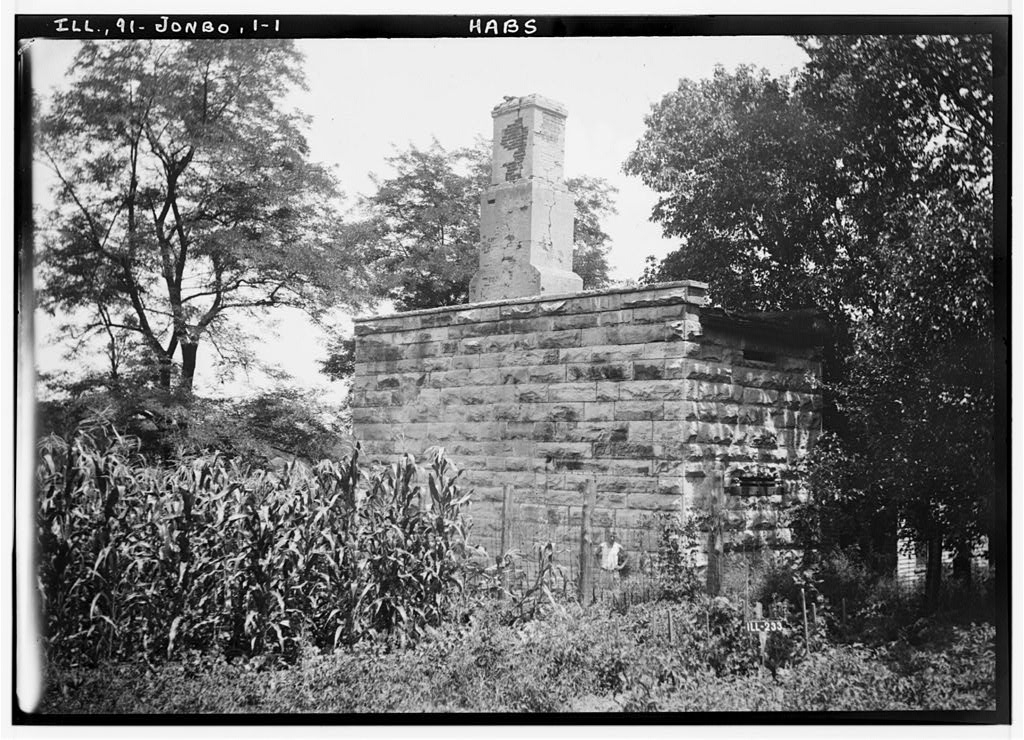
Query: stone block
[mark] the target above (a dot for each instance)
(752, 415)
(557, 339)
(530, 393)
(629, 334)
(638, 410)
(602, 371)
(614, 318)
(680, 410)
(364, 414)
(572, 392)
(422, 336)
(536, 357)
(704, 433)
(625, 484)
(639, 431)
(706, 391)
(649, 370)
(422, 350)
(614, 431)
(482, 432)
(513, 375)
(474, 395)
(490, 345)
(611, 301)
(713, 351)
(619, 466)
(375, 398)
(546, 374)
(448, 378)
(564, 449)
(574, 355)
(478, 314)
(809, 421)
(575, 321)
(524, 448)
(670, 467)
(652, 390)
(541, 431)
(516, 462)
(495, 412)
(603, 518)
(783, 418)
(671, 430)
(637, 450)
(599, 412)
(663, 313)
(671, 350)
(618, 353)
(562, 412)
(755, 396)
(711, 372)
(533, 325)
(653, 502)
(377, 351)
(515, 430)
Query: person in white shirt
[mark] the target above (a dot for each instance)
(610, 553)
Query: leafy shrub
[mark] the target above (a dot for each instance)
(213, 554)
(573, 660)
(285, 422)
(846, 510)
(677, 576)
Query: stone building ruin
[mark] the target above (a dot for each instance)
(652, 397)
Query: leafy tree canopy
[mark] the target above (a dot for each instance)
(185, 199)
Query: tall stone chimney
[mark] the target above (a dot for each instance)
(526, 215)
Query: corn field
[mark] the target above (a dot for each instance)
(212, 554)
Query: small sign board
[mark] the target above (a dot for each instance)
(764, 625)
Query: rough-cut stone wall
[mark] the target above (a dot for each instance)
(661, 401)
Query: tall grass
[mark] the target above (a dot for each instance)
(214, 555)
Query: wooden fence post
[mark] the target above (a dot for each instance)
(505, 541)
(587, 545)
(715, 545)
(807, 634)
(506, 519)
(762, 636)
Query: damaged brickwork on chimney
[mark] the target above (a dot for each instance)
(513, 138)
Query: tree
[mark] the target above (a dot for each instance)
(744, 179)
(424, 222)
(595, 201)
(916, 117)
(862, 186)
(185, 200)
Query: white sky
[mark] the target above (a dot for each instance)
(366, 95)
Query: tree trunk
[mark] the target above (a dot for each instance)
(713, 579)
(188, 365)
(164, 372)
(962, 563)
(713, 584)
(933, 571)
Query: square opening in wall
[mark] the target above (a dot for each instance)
(758, 355)
(754, 485)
